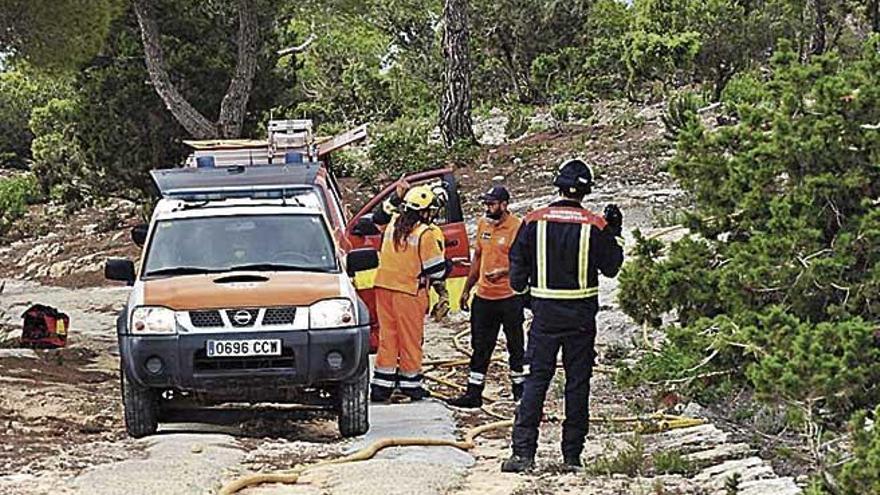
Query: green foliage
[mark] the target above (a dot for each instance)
(591, 66)
(778, 284)
(402, 147)
(15, 194)
(731, 484)
(518, 119)
(862, 473)
(629, 461)
(21, 90)
(681, 113)
(374, 60)
(56, 34)
(671, 462)
(508, 38)
(58, 157)
(836, 362)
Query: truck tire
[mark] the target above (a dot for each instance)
(354, 412)
(141, 406)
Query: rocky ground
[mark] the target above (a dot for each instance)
(60, 413)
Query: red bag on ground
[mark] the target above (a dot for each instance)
(44, 327)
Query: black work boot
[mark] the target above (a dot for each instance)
(472, 398)
(379, 393)
(415, 394)
(573, 461)
(517, 391)
(518, 464)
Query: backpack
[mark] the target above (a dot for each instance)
(44, 327)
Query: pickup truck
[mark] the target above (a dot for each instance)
(254, 286)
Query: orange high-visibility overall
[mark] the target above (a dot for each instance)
(401, 303)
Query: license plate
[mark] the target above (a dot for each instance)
(243, 348)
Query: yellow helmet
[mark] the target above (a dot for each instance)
(418, 198)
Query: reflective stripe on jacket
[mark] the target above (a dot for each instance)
(557, 257)
(421, 256)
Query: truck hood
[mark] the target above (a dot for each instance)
(244, 289)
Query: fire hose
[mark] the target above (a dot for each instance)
(644, 424)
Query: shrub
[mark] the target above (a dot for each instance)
(518, 121)
(862, 473)
(778, 284)
(671, 462)
(402, 147)
(15, 194)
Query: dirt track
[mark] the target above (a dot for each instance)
(60, 413)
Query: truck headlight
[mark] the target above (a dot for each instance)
(152, 320)
(331, 313)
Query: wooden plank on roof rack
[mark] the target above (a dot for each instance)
(344, 139)
(221, 144)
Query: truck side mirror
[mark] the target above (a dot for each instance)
(365, 226)
(139, 234)
(359, 260)
(119, 269)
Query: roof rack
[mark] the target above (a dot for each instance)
(204, 184)
(289, 142)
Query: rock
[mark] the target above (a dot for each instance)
(776, 486)
(18, 353)
(491, 130)
(61, 268)
(719, 453)
(690, 439)
(749, 469)
(694, 410)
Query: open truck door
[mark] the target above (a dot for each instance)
(361, 231)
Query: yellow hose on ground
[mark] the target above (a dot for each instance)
(291, 476)
(644, 424)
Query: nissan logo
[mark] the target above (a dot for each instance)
(242, 317)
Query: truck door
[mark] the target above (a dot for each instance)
(451, 221)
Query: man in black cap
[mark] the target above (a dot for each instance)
(495, 304)
(557, 257)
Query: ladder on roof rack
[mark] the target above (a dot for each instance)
(289, 141)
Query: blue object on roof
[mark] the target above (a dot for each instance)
(293, 157)
(234, 181)
(205, 162)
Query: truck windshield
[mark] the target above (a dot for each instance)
(229, 243)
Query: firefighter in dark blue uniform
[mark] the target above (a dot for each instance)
(557, 257)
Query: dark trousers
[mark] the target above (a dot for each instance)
(487, 317)
(578, 354)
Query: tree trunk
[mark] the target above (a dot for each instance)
(817, 47)
(874, 15)
(234, 103)
(191, 119)
(455, 110)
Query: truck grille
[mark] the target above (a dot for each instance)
(279, 316)
(203, 319)
(201, 362)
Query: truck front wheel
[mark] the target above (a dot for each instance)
(141, 405)
(354, 412)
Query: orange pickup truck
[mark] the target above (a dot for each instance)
(254, 286)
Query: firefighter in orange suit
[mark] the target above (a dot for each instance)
(411, 257)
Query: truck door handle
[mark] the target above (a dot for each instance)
(452, 243)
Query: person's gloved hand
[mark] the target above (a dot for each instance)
(614, 218)
(441, 309)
